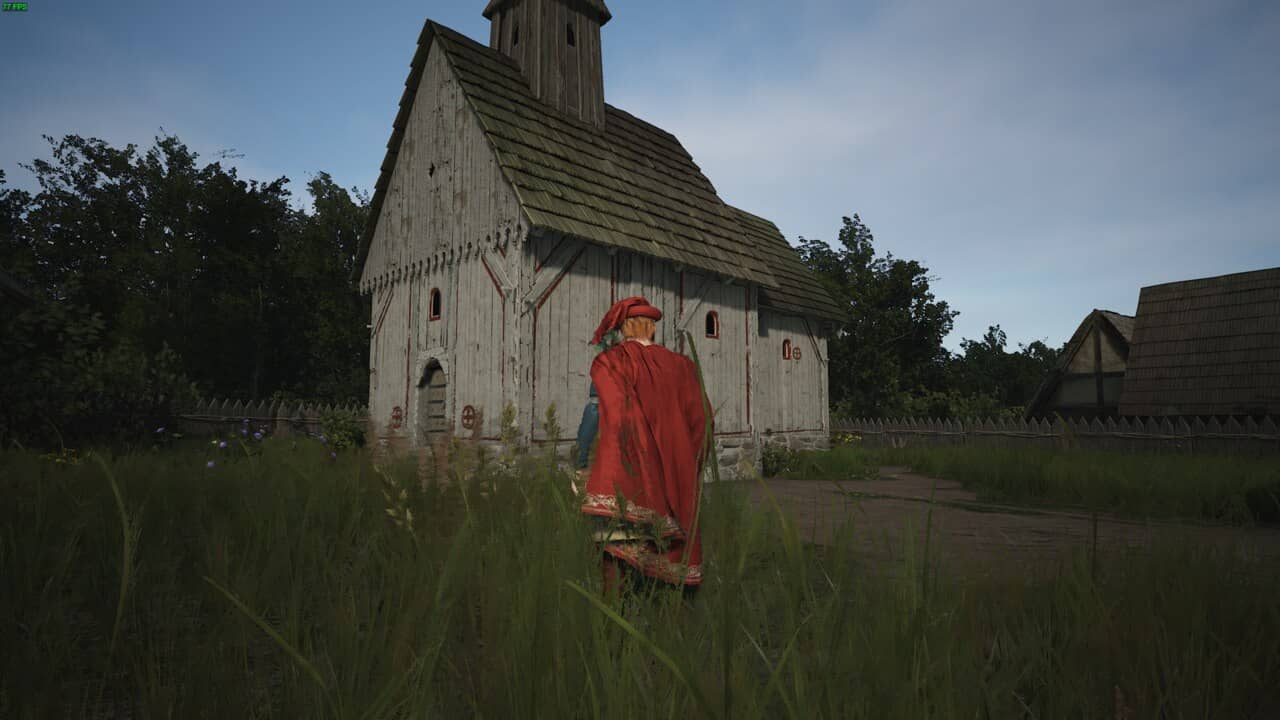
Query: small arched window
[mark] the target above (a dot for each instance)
(713, 324)
(786, 349)
(573, 41)
(433, 310)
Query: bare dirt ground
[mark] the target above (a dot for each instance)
(889, 513)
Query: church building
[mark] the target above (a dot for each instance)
(515, 205)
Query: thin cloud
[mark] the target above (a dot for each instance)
(1041, 159)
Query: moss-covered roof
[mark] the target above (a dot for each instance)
(631, 186)
(797, 291)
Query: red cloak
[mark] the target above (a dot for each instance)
(649, 455)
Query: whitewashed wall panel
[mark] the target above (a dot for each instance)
(391, 356)
(446, 189)
(480, 349)
(565, 314)
(446, 203)
(791, 396)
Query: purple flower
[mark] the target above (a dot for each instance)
(323, 440)
(243, 431)
(257, 436)
(160, 429)
(245, 421)
(222, 443)
(210, 464)
(333, 455)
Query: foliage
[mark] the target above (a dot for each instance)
(887, 358)
(775, 459)
(152, 268)
(252, 295)
(892, 341)
(1009, 378)
(343, 429)
(318, 604)
(73, 386)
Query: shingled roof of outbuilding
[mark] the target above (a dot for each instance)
(1206, 347)
(797, 291)
(632, 186)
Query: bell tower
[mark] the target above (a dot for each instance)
(556, 43)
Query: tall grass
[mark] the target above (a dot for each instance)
(277, 585)
(1211, 488)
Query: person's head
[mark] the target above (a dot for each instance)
(639, 327)
(634, 316)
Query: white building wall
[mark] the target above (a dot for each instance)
(793, 393)
(447, 206)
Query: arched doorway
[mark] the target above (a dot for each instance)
(432, 421)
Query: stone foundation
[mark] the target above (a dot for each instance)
(737, 456)
(800, 441)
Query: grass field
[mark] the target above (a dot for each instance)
(1234, 490)
(283, 583)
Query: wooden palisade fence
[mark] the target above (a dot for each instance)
(1136, 434)
(279, 417)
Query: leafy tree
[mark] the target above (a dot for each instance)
(985, 367)
(322, 298)
(892, 342)
(190, 272)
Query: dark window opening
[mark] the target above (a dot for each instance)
(786, 349)
(433, 312)
(713, 324)
(515, 34)
(573, 42)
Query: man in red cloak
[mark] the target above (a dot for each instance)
(644, 488)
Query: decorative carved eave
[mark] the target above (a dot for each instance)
(501, 240)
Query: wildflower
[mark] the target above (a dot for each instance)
(245, 421)
(243, 431)
(333, 455)
(210, 464)
(323, 440)
(222, 443)
(160, 429)
(257, 436)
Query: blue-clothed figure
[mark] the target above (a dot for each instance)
(587, 427)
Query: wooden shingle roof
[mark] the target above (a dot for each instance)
(797, 293)
(1206, 347)
(632, 186)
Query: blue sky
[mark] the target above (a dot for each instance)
(1042, 158)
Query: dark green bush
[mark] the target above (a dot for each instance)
(342, 429)
(776, 459)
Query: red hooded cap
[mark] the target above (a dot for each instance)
(626, 308)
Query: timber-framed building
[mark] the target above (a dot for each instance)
(514, 206)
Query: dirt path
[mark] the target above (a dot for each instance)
(980, 536)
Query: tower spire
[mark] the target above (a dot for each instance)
(556, 43)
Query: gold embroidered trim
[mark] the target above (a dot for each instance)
(656, 565)
(598, 504)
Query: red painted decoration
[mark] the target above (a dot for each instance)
(469, 417)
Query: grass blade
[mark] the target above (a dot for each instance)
(279, 640)
(648, 644)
